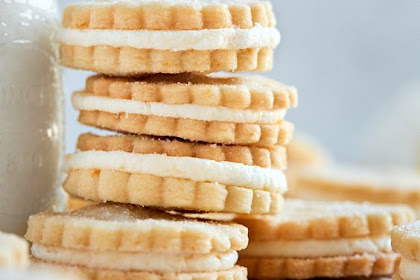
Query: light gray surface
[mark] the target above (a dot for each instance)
(350, 61)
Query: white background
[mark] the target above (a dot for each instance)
(357, 67)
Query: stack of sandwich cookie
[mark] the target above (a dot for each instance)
(13, 252)
(406, 242)
(322, 239)
(130, 242)
(242, 177)
(190, 141)
(377, 185)
(154, 36)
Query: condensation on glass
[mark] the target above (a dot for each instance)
(31, 111)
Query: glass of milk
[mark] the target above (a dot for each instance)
(31, 111)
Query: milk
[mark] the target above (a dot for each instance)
(31, 111)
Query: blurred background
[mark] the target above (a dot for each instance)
(356, 65)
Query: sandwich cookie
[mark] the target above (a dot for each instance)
(144, 241)
(378, 185)
(132, 37)
(177, 175)
(14, 252)
(406, 242)
(225, 110)
(321, 239)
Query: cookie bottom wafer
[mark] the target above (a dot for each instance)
(173, 193)
(236, 273)
(210, 132)
(343, 266)
(131, 61)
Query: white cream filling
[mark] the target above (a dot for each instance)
(128, 261)
(87, 102)
(200, 170)
(181, 40)
(409, 270)
(317, 248)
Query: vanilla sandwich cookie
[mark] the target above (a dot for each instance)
(14, 252)
(378, 185)
(213, 109)
(177, 175)
(406, 242)
(322, 239)
(131, 37)
(132, 229)
(128, 240)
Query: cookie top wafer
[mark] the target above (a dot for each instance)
(273, 157)
(302, 220)
(406, 240)
(133, 229)
(379, 185)
(252, 92)
(169, 15)
(14, 251)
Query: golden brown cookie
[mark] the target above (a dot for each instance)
(386, 185)
(193, 130)
(169, 15)
(133, 229)
(126, 38)
(14, 251)
(302, 220)
(168, 192)
(328, 267)
(128, 61)
(249, 92)
(323, 239)
(272, 157)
